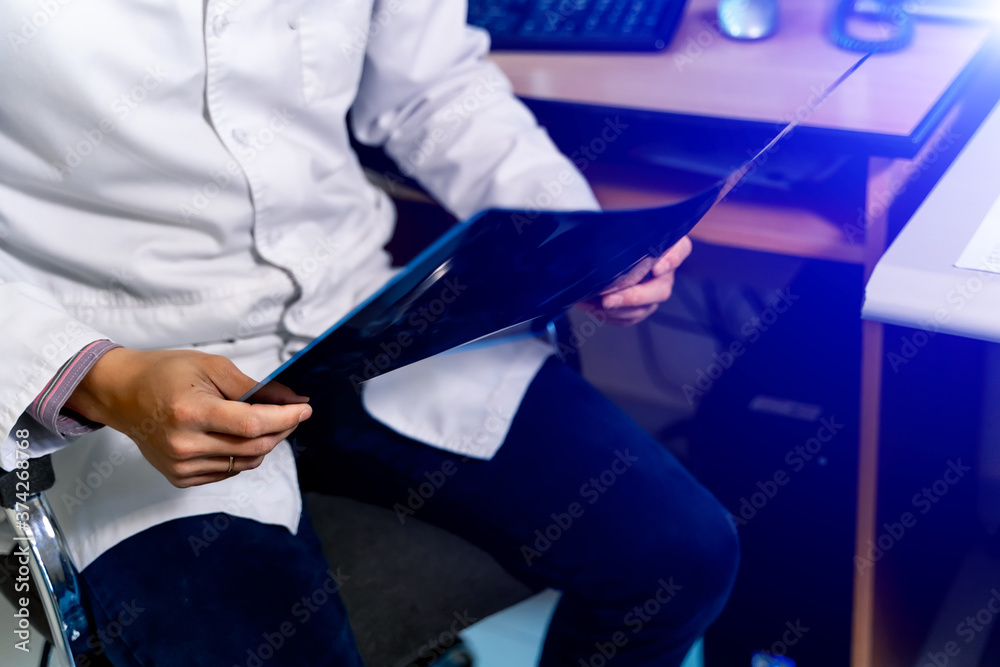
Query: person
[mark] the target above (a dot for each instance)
(181, 211)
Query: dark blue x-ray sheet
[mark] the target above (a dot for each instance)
(497, 270)
(500, 269)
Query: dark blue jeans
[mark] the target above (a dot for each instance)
(579, 498)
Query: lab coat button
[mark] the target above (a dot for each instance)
(219, 24)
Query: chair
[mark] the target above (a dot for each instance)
(39, 541)
(55, 583)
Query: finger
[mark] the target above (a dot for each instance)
(633, 277)
(630, 312)
(674, 257)
(596, 307)
(220, 464)
(231, 445)
(252, 420)
(188, 482)
(653, 291)
(278, 394)
(244, 463)
(222, 445)
(636, 315)
(211, 465)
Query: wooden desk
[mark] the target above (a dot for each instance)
(893, 103)
(889, 108)
(890, 113)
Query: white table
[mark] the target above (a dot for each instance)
(916, 284)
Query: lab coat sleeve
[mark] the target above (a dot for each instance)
(448, 117)
(37, 336)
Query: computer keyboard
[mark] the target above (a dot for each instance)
(578, 25)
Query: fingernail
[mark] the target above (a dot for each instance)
(305, 414)
(612, 301)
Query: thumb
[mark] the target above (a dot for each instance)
(631, 277)
(277, 393)
(228, 379)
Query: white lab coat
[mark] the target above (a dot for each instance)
(173, 178)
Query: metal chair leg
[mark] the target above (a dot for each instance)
(41, 551)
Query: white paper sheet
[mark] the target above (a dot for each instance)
(983, 251)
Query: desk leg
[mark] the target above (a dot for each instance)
(862, 642)
(881, 171)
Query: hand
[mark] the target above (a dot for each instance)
(634, 297)
(179, 409)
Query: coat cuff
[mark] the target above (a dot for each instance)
(48, 408)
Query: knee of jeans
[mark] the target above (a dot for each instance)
(715, 560)
(695, 557)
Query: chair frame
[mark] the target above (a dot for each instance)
(37, 535)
